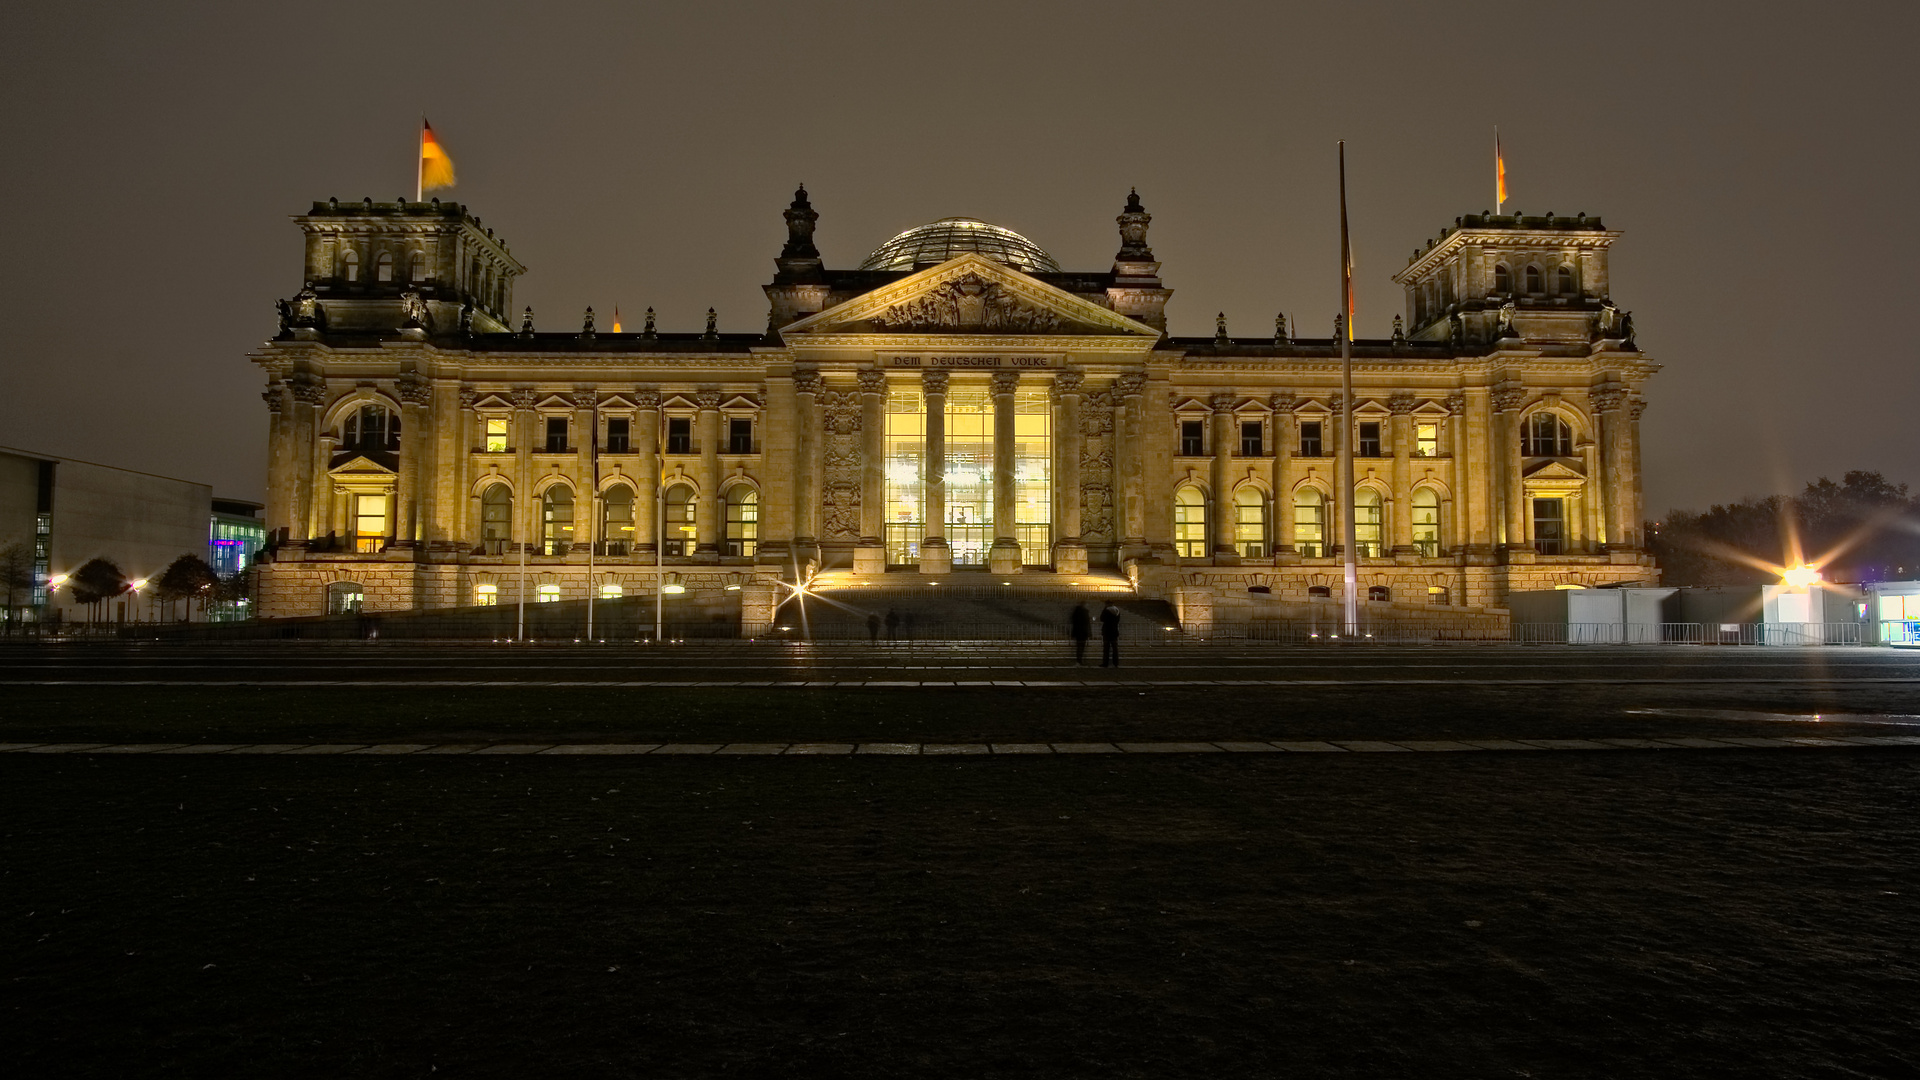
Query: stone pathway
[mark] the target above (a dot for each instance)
(1340, 746)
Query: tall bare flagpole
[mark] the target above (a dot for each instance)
(1350, 581)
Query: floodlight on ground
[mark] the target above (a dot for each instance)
(1800, 576)
(673, 586)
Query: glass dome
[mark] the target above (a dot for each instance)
(938, 241)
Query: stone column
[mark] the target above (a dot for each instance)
(304, 458)
(1400, 404)
(1285, 438)
(451, 417)
(1453, 515)
(526, 508)
(279, 459)
(324, 515)
(586, 434)
(870, 551)
(1609, 415)
(416, 394)
(1131, 523)
(706, 513)
(1480, 521)
(1631, 512)
(1004, 558)
(806, 470)
(645, 439)
(1507, 402)
(935, 556)
(1069, 551)
(1220, 478)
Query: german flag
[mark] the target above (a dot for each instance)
(436, 168)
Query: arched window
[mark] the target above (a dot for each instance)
(350, 265)
(1437, 594)
(679, 536)
(1319, 590)
(496, 519)
(743, 520)
(1366, 523)
(1190, 523)
(383, 267)
(1426, 521)
(1250, 523)
(417, 267)
(1502, 281)
(345, 598)
(1534, 284)
(1546, 435)
(1310, 523)
(616, 519)
(1379, 594)
(370, 429)
(556, 520)
(1566, 281)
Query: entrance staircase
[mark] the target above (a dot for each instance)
(967, 607)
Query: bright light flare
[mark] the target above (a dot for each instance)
(1800, 576)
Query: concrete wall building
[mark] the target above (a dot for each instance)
(956, 404)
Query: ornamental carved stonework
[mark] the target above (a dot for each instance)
(873, 382)
(807, 382)
(1096, 512)
(1400, 403)
(469, 398)
(1607, 400)
(968, 304)
(1456, 404)
(308, 390)
(414, 391)
(1509, 398)
(1067, 384)
(273, 397)
(523, 399)
(1129, 385)
(935, 382)
(646, 400)
(1096, 414)
(840, 460)
(584, 399)
(707, 400)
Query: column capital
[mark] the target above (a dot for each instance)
(524, 398)
(646, 399)
(873, 381)
(934, 382)
(1636, 407)
(1005, 382)
(1400, 403)
(1456, 404)
(1509, 398)
(1607, 399)
(707, 400)
(1131, 384)
(469, 398)
(584, 399)
(1067, 382)
(1282, 401)
(308, 390)
(807, 382)
(273, 397)
(1221, 403)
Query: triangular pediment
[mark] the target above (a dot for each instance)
(359, 465)
(1553, 470)
(968, 294)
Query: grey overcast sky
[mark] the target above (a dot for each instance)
(1760, 158)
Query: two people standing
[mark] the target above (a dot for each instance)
(1080, 624)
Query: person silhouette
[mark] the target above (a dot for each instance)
(873, 627)
(1109, 635)
(893, 623)
(1080, 626)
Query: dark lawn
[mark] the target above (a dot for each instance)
(1677, 914)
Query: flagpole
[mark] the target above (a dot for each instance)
(420, 163)
(520, 634)
(593, 508)
(1350, 580)
(1499, 174)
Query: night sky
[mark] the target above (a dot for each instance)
(1761, 159)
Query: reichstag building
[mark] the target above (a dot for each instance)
(958, 404)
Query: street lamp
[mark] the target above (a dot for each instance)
(1801, 576)
(134, 587)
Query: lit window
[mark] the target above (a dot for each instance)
(1250, 523)
(370, 427)
(556, 516)
(1426, 522)
(1549, 524)
(369, 523)
(1369, 439)
(678, 538)
(1252, 444)
(612, 591)
(383, 268)
(1426, 440)
(486, 595)
(1437, 594)
(345, 598)
(743, 520)
(1192, 438)
(616, 525)
(496, 519)
(1190, 523)
(1310, 438)
(549, 594)
(496, 435)
(1309, 523)
(1366, 523)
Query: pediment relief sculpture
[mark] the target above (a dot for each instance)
(967, 304)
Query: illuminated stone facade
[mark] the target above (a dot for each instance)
(984, 412)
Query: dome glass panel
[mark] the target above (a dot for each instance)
(938, 241)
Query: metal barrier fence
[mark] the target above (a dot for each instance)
(1848, 633)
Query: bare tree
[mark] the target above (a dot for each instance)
(16, 576)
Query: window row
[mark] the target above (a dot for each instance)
(1253, 538)
(1539, 282)
(558, 436)
(1313, 441)
(678, 510)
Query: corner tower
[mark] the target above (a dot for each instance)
(364, 258)
(1541, 279)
